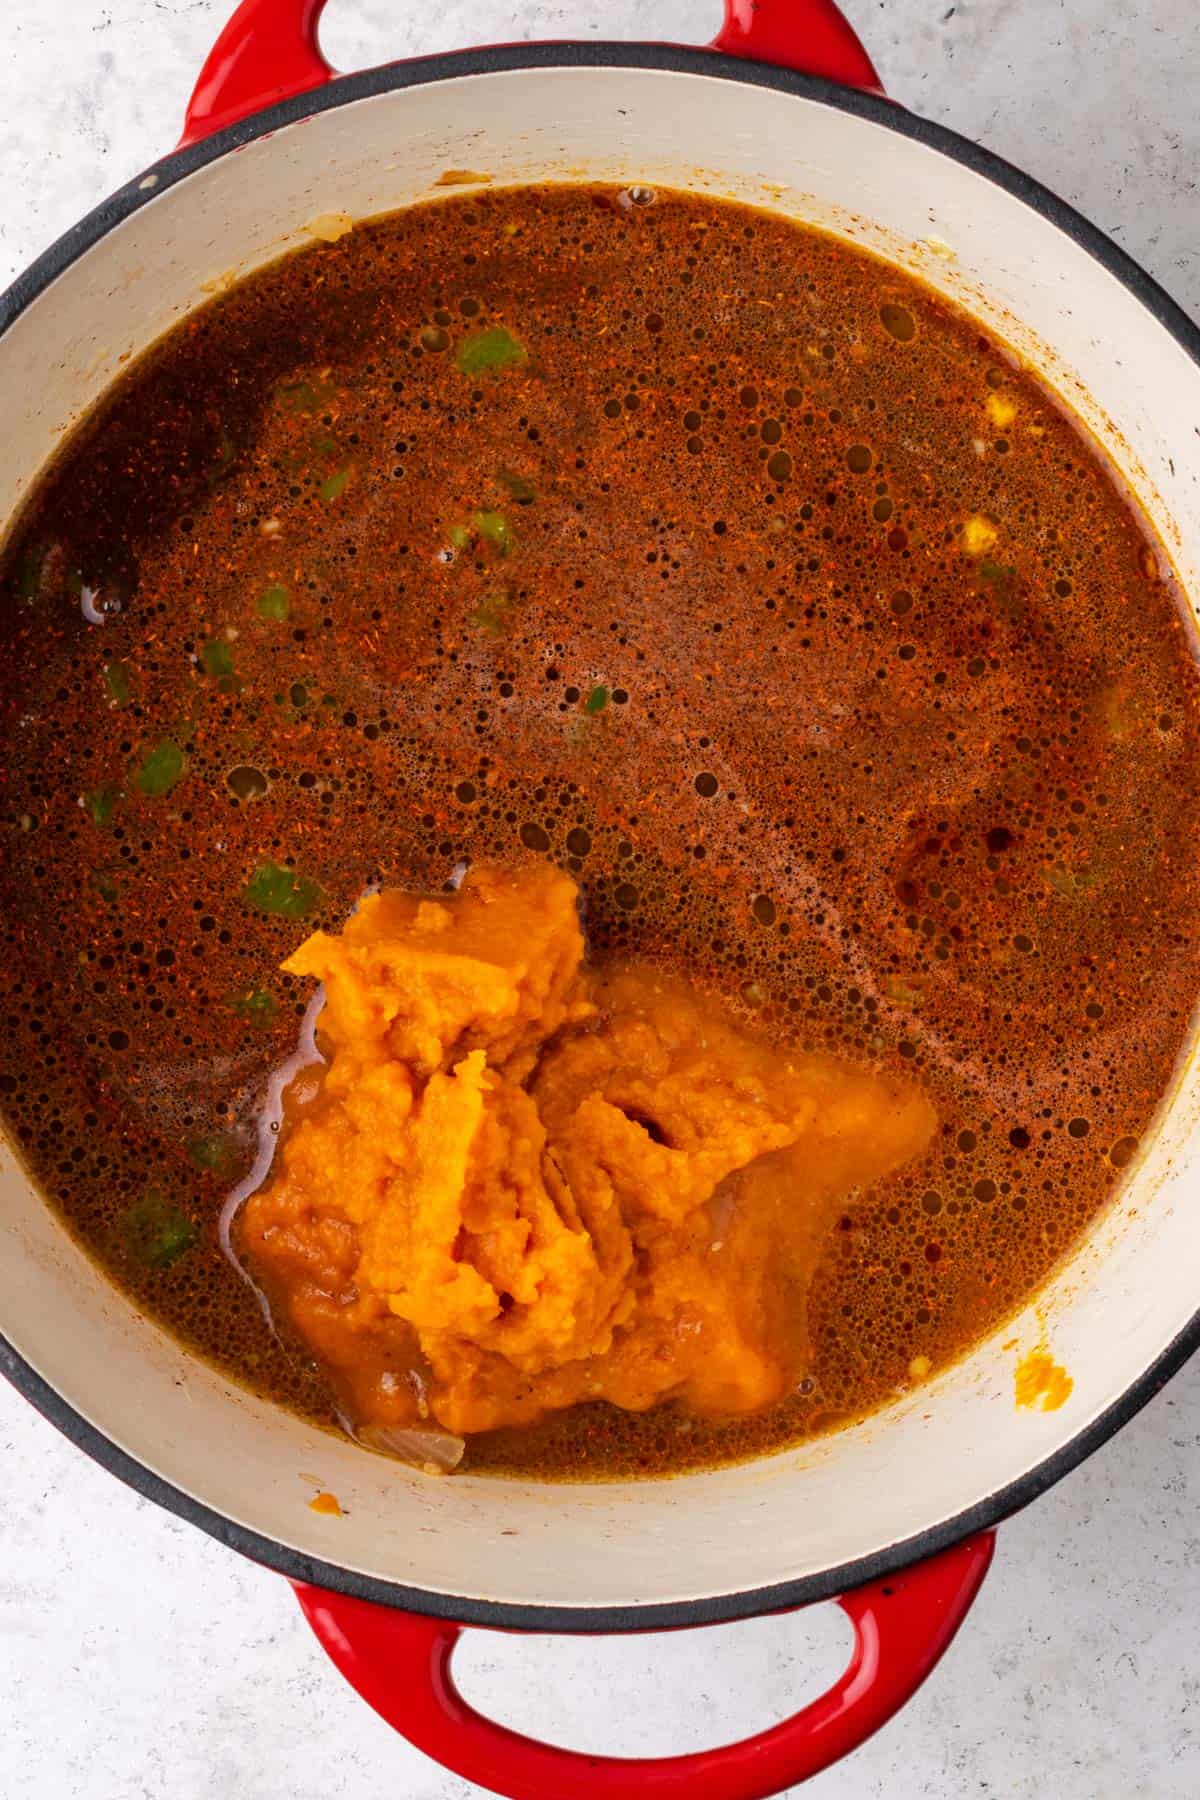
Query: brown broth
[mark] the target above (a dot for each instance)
(677, 597)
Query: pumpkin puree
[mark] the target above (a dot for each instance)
(524, 1183)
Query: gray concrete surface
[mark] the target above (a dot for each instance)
(138, 1660)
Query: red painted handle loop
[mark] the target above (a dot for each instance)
(269, 51)
(810, 36)
(400, 1664)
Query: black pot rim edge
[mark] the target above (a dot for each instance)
(712, 1609)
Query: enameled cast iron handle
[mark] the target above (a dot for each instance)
(810, 36)
(400, 1664)
(270, 50)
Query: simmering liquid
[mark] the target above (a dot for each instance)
(702, 555)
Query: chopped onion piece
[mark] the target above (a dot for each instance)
(437, 1452)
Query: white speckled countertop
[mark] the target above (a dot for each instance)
(141, 1661)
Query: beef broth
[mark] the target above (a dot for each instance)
(711, 559)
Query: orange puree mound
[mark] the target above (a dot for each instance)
(492, 968)
(525, 1183)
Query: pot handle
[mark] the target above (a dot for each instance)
(813, 37)
(270, 51)
(400, 1664)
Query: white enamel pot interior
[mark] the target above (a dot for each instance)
(956, 1452)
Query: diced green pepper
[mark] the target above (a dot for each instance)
(491, 615)
(99, 804)
(161, 769)
(1117, 707)
(106, 887)
(597, 700)
(116, 683)
(156, 1231)
(335, 485)
(493, 348)
(225, 455)
(311, 395)
(518, 486)
(216, 657)
(275, 889)
(29, 581)
(274, 603)
(258, 1007)
(495, 528)
(1000, 580)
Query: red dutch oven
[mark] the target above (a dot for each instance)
(894, 1515)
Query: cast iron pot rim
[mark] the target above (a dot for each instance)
(709, 1609)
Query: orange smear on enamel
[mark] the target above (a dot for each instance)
(1041, 1382)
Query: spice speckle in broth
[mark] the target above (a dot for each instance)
(706, 557)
